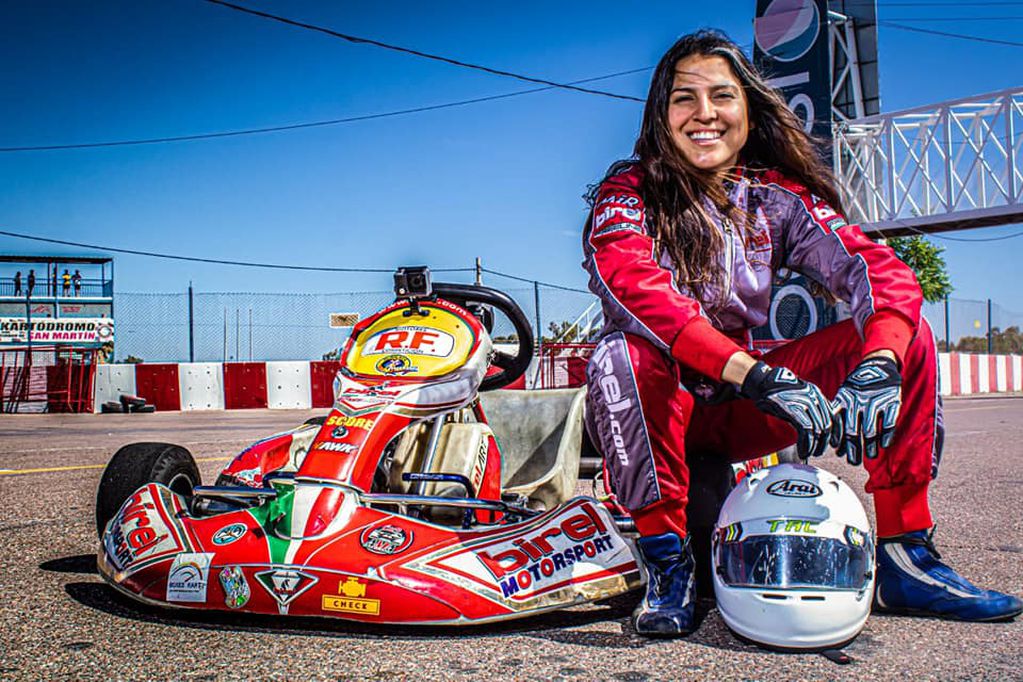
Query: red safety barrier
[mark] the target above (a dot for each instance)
(244, 385)
(69, 382)
(563, 365)
(321, 381)
(47, 378)
(158, 383)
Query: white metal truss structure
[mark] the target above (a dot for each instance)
(845, 66)
(953, 165)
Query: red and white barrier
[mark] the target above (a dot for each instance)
(220, 386)
(302, 384)
(968, 373)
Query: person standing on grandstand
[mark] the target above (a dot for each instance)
(76, 280)
(31, 282)
(724, 189)
(65, 279)
(17, 283)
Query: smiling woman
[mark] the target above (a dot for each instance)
(684, 241)
(708, 114)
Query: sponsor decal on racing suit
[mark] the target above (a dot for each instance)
(612, 392)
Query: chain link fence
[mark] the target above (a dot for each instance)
(224, 327)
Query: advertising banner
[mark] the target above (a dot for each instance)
(790, 47)
(73, 331)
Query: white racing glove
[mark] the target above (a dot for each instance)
(867, 405)
(778, 392)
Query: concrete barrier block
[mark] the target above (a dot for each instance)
(202, 385)
(288, 385)
(945, 373)
(111, 382)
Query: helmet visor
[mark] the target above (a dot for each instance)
(793, 561)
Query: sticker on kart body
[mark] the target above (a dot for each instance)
(398, 365)
(410, 340)
(188, 577)
(285, 585)
(228, 534)
(144, 531)
(351, 598)
(569, 553)
(236, 588)
(386, 540)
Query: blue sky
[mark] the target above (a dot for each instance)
(500, 180)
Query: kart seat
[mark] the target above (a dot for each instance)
(540, 434)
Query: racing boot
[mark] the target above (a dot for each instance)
(911, 580)
(669, 607)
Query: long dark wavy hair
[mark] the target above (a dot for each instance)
(675, 192)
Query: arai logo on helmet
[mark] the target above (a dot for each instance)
(788, 29)
(793, 487)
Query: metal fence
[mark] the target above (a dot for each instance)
(252, 326)
(224, 327)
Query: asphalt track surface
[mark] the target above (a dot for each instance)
(60, 621)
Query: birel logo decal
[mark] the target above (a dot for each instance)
(410, 341)
(359, 397)
(612, 392)
(139, 533)
(530, 563)
(793, 487)
(631, 215)
(188, 576)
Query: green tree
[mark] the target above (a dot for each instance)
(925, 259)
(1008, 341)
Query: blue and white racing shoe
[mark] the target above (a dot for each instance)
(911, 580)
(669, 607)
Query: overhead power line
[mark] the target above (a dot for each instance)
(419, 53)
(533, 281)
(195, 259)
(947, 34)
(956, 19)
(309, 124)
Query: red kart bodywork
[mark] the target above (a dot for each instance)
(318, 543)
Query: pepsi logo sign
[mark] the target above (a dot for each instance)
(794, 487)
(788, 29)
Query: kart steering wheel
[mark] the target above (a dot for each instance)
(512, 366)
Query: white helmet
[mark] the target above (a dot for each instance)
(793, 559)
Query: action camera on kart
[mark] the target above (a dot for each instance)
(413, 282)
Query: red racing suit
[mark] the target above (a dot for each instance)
(657, 338)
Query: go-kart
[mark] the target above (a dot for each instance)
(403, 505)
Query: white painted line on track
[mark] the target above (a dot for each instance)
(81, 467)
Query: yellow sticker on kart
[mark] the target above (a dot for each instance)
(419, 346)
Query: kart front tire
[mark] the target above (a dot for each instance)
(138, 464)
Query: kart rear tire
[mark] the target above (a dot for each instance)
(137, 464)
